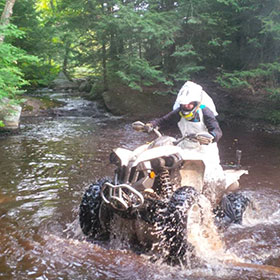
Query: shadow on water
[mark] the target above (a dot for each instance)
(46, 168)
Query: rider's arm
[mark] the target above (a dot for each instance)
(212, 124)
(169, 120)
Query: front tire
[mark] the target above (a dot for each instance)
(89, 215)
(172, 225)
(179, 204)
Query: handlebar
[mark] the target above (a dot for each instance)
(189, 137)
(140, 126)
(203, 138)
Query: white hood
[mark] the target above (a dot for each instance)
(190, 92)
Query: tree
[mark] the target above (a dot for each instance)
(255, 48)
(6, 14)
(146, 42)
(11, 57)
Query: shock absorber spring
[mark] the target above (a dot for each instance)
(165, 183)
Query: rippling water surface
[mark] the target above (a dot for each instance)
(45, 169)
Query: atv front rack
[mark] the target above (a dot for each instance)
(121, 197)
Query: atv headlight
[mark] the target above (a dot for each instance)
(114, 159)
(168, 162)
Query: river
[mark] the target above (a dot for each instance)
(45, 169)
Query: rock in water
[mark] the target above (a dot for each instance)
(9, 114)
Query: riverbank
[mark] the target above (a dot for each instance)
(252, 111)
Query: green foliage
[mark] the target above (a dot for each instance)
(274, 93)
(266, 74)
(273, 116)
(184, 51)
(144, 43)
(232, 80)
(45, 37)
(186, 63)
(40, 74)
(11, 59)
(185, 72)
(10, 31)
(137, 72)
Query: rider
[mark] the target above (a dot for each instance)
(194, 117)
(195, 113)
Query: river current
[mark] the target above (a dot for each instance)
(46, 167)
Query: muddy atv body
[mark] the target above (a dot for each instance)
(153, 191)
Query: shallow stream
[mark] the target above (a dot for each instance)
(45, 169)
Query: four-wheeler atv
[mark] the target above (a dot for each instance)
(156, 199)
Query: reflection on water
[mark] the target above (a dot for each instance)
(45, 169)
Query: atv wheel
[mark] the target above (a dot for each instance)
(90, 211)
(231, 209)
(173, 225)
(180, 202)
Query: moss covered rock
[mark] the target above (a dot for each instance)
(137, 105)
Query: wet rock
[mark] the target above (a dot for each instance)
(63, 83)
(85, 86)
(9, 114)
(137, 105)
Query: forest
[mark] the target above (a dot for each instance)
(140, 44)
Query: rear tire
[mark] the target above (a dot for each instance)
(231, 209)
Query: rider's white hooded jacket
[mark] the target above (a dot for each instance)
(204, 121)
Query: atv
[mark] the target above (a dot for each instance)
(156, 196)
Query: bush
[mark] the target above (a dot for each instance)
(11, 60)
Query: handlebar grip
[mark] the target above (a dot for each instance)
(138, 126)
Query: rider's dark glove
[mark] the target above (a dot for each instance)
(149, 127)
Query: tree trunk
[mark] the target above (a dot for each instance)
(104, 56)
(104, 65)
(65, 60)
(6, 14)
(52, 5)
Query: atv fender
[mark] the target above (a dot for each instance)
(232, 179)
(192, 174)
